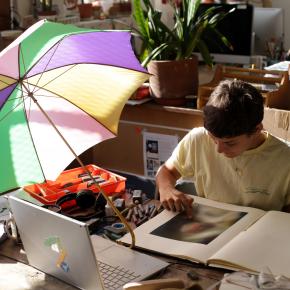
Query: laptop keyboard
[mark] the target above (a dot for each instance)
(115, 277)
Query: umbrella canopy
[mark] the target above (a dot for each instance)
(57, 76)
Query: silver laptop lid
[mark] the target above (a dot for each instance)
(57, 245)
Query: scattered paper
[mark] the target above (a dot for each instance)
(282, 66)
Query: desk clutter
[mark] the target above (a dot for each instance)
(136, 203)
(264, 280)
(135, 206)
(76, 195)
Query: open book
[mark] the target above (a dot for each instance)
(221, 235)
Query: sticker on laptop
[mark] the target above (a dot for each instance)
(56, 246)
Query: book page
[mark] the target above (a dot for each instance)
(265, 244)
(197, 239)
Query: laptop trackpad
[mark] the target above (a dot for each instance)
(100, 244)
(116, 255)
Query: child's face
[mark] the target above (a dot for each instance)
(234, 146)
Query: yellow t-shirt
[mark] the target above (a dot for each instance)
(258, 178)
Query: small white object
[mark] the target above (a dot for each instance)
(108, 209)
(106, 5)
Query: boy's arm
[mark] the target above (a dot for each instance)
(171, 198)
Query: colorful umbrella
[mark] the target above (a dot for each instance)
(61, 87)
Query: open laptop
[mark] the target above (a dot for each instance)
(62, 247)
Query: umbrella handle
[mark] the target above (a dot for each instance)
(117, 212)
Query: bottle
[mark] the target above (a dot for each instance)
(108, 209)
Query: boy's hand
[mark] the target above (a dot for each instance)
(176, 200)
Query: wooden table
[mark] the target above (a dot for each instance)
(16, 274)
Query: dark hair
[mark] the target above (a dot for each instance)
(234, 108)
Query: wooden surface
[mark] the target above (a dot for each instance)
(17, 275)
(273, 98)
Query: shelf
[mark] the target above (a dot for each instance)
(273, 85)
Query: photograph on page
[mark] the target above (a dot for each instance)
(206, 224)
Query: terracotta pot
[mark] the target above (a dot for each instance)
(86, 10)
(172, 81)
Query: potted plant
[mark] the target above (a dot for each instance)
(168, 52)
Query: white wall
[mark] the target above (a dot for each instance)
(23, 7)
(167, 12)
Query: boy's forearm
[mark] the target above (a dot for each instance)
(165, 179)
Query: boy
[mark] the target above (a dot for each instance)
(231, 159)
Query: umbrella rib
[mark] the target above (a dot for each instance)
(32, 140)
(86, 170)
(6, 83)
(54, 95)
(23, 62)
(13, 99)
(46, 96)
(56, 44)
(40, 76)
(43, 86)
(6, 115)
(101, 191)
(16, 88)
(28, 110)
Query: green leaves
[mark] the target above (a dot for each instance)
(140, 19)
(191, 30)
